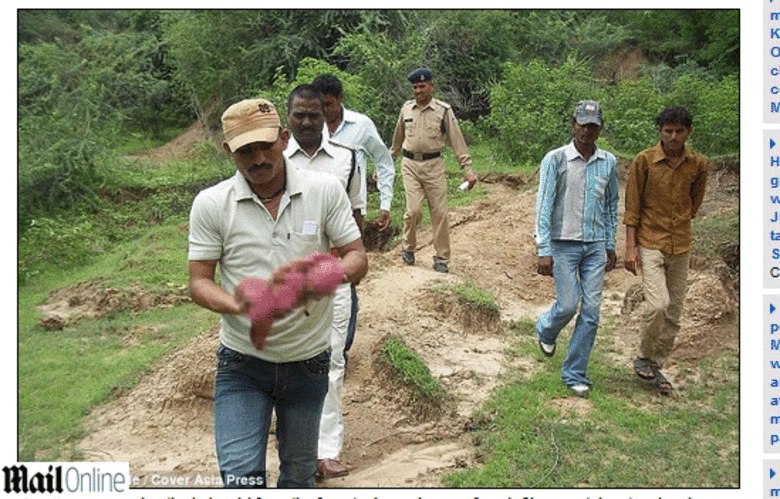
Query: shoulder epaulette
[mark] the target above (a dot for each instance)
(443, 104)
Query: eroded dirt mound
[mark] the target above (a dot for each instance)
(68, 305)
(376, 239)
(163, 427)
(180, 147)
(707, 323)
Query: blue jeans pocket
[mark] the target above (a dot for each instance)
(318, 366)
(229, 359)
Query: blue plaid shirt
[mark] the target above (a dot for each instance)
(599, 214)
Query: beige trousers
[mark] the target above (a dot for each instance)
(665, 282)
(426, 180)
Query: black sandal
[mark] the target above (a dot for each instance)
(661, 383)
(645, 368)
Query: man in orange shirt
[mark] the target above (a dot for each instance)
(664, 191)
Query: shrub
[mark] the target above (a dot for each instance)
(715, 109)
(630, 111)
(357, 94)
(532, 106)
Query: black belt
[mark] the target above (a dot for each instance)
(421, 156)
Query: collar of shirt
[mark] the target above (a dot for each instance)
(429, 105)
(294, 148)
(347, 118)
(293, 186)
(573, 153)
(658, 154)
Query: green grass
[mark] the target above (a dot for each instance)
(470, 292)
(208, 166)
(625, 435)
(63, 374)
(411, 369)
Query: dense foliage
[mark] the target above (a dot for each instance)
(91, 82)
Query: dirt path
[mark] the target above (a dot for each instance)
(164, 429)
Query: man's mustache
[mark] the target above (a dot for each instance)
(261, 166)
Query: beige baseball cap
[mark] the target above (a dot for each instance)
(251, 120)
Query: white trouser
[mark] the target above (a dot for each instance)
(332, 421)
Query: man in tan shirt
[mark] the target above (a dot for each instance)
(424, 127)
(664, 191)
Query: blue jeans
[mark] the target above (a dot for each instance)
(246, 391)
(578, 270)
(352, 320)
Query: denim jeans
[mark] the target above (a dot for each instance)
(578, 270)
(352, 320)
(246, 390)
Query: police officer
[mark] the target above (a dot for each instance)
(424, 126)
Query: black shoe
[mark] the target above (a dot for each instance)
(407, 257)
(441, 267)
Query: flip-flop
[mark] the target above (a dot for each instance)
(645, 368)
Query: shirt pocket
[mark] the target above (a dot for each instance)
(304, 244)
(409, 126)
(433, 126)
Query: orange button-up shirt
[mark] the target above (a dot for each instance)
(661, 200)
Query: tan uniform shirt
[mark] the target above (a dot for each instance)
(428, 129)
(661, 200)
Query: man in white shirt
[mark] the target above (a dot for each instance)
(359, 132)
(310, 149)
(356, 130)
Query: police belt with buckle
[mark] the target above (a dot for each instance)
(421, 156)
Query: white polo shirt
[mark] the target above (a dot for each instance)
(228, 223)
(335, 159)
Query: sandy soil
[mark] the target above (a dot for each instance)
(164, 428)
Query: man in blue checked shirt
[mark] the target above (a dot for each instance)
(576, 222)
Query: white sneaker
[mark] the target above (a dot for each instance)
(580, 389)
(547, 349)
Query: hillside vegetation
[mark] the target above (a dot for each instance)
(95, 86)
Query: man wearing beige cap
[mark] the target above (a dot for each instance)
(251, 225)
(424, 126)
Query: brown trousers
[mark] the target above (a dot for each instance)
(426, 180)
(665, 282)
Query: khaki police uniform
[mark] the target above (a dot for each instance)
(420, 136)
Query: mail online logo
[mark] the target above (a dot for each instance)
(101, 479)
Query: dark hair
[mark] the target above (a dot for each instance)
(306, 92)
(328, 84)
(677, 115)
